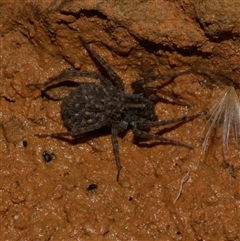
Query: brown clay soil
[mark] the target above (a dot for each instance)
(49, 200)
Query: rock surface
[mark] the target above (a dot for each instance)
(50, 201)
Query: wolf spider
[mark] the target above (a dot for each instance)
(91, 106)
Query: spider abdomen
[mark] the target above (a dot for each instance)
(90, 104)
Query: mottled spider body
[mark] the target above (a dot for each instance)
(88, 105)
(91, 106)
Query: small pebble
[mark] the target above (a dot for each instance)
(92, 187)
(25, 144)
(47, 156)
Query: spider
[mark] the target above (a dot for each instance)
(91, 106)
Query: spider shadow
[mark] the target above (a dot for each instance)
(159, 94)
(85, 137)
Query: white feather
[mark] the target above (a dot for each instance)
(226, 112)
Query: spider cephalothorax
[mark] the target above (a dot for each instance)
(91, 106)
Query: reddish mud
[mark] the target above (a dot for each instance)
(49, 200)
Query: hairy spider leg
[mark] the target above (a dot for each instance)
(167, 94)
(139, 83)
(75, 132)
(148, 124)
(150, 136)
(70, 75)
(116, 151)
(54, 134)
(117, 127)
(138, 86)
(111, 73)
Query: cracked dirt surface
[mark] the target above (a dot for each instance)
(49, 200)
